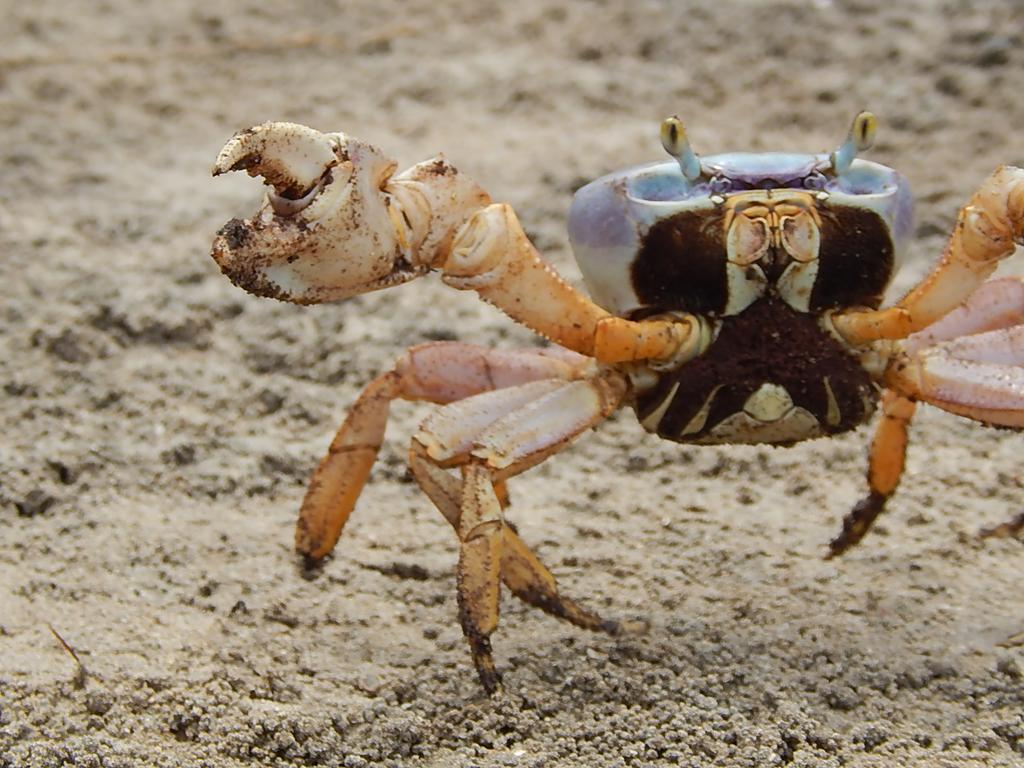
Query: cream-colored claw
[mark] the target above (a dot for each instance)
(337, 222)
(290, 157)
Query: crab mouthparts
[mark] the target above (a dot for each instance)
(769, 403)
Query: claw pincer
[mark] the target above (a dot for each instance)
(336, 222)
(290, 157)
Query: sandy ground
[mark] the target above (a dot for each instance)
(159, 424)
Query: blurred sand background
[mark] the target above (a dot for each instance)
(159, 424)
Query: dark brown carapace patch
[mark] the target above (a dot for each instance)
(681, 264)
(769, 342)
(856, 258)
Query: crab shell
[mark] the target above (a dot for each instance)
(765, 244)
(617, 222)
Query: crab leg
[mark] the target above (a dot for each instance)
(980, 376)
(338, 222)
(521, 570)
(534, 421)
(987, 229)
(886, 461)
(492, 255)
(970, 361)
(963, 363)
(477, 576)
(996, 304)
(440, 372)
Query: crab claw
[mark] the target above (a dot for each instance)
(335, 222)
(290, 157)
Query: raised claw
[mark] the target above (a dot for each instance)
(290, 157)
(336, 223)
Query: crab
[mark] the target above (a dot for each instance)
(736, 298)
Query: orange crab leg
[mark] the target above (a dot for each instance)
(478, 572)
(492, 255)
(987, 229)
(521, 570)
(533, 421)
(339, 478)
(440, 372)
(968, 363)
(886, 461)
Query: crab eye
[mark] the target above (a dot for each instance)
(675, 142)
(860, 137)
(673, 135)
(864, 127)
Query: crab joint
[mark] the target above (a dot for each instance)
(479, 247)
(666, 342)
(860, 137)
(492, 256)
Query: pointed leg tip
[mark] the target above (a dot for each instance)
(835, 549)
(483, 661)
(490, 681)
(618, 628)
(310, 567)
(857, 523)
